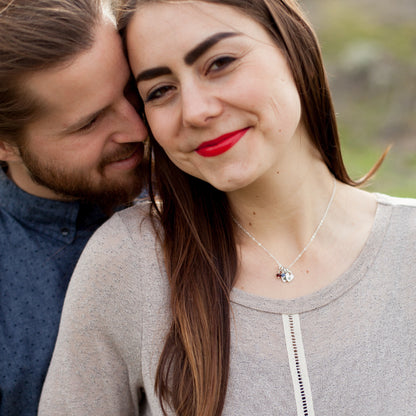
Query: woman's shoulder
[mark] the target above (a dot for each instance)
(117, 279)
(398, 210)
(124, 230)
(395, 227)
(123, 253)
(401, 213)
(130, 220)
(395, 201)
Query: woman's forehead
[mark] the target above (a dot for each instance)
(172, 23)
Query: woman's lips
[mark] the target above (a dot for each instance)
(220, 144)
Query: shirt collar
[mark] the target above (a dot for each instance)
(57, 219)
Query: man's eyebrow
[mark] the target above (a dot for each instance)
(189, 58)
(202, 47)
(152, 73)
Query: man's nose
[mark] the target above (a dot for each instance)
(131, 127)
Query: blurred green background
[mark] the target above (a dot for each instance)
(369, 50)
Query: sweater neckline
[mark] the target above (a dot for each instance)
(335, 289)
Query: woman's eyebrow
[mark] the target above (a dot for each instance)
(189, 58)
(152, 73)
(202, 47)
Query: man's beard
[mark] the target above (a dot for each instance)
(72, 184)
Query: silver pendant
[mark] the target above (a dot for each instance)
(285, 274)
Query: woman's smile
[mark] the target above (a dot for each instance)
(221, 144)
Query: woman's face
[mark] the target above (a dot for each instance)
(219, 96)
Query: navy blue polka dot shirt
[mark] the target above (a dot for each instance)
(40, 242)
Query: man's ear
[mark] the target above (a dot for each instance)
(9, 152)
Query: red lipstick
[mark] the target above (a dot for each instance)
(221, 144)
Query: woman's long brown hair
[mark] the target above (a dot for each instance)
(201, 259)
(198, 237)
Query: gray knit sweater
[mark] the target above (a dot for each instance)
(348, 349)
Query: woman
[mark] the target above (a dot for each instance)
(276, 287)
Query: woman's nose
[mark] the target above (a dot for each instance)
(200, 105)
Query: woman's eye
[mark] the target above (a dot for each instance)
(221, 63)
(158, 93)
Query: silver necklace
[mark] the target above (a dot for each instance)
(284, 273)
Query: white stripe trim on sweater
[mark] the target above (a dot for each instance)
(298, 367)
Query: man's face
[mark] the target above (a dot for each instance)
(88, 142)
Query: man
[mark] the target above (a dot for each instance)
(71, 144)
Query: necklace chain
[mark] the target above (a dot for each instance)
(284, 273)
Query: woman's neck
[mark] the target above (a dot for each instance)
(280, 206)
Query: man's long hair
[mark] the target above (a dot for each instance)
(37, 35)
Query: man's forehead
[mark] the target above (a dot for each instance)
(85, 82)
(50, 89)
